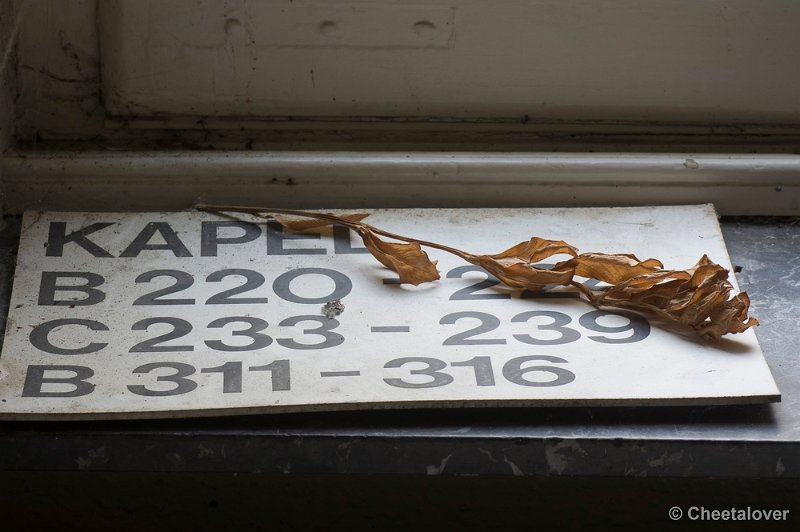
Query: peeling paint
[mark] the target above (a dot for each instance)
(93, 459)
(516, 471)
(559, 455)
(438, 470)
(666, 459)
(489, 455)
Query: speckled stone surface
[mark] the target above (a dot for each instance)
(727, 441)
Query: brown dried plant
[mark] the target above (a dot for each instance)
(697, 298)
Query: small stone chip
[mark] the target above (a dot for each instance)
(333, 308)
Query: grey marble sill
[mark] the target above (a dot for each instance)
(725, 441)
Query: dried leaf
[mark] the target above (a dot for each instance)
(527, 277)
(514, 266)
(611, 269)
(410, 262)
(730, 317)
(534, 250)
(697, 298)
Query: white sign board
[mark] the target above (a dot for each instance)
(186, 314)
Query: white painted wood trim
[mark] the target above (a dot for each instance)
(736, 184)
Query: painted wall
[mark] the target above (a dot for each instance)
(631, 60)
(58, 71)
(9, 31)
(647, 61)
(9, 25)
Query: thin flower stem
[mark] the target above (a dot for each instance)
(435, 245)
(257, 211)
(331, 217)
